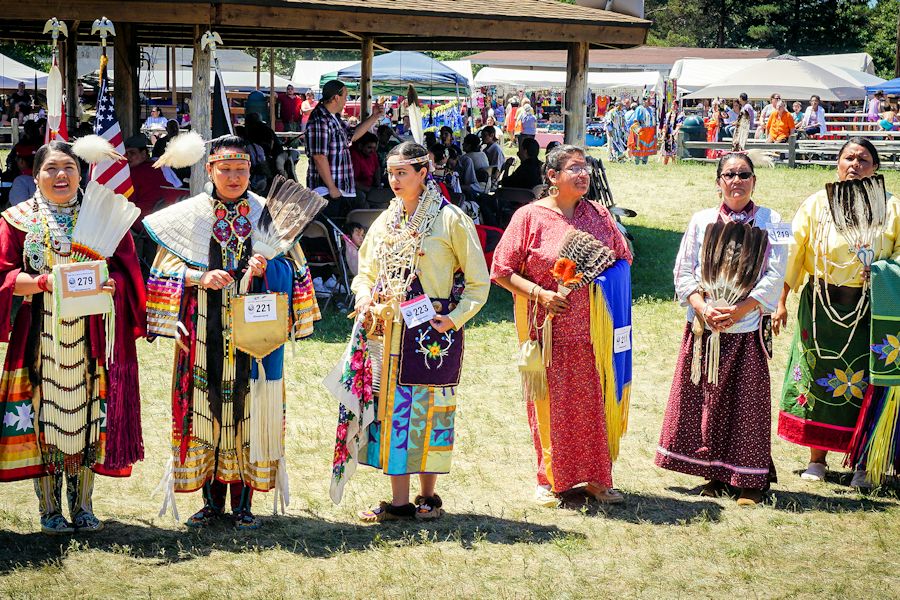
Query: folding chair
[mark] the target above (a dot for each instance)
(509, 200)
(322, 255)
(379, 198)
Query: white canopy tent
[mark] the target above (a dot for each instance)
(857, 61)
(793, 78)
(307, 73)
(513, 79)
(12, 72)
(693, 74)
(159, 57)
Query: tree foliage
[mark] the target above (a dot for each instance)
(797, 27)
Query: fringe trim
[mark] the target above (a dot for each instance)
(266, 418)
(282, 488)
(713, 353)
(124, 442)
(697, 356)
(882, 450)
(166, 485)
(615, 409)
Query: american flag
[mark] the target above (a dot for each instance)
(113, 174)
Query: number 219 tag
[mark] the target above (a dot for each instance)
(780, 233)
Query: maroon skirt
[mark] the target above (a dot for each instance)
(722, 432)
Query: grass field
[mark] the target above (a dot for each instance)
(810, 540)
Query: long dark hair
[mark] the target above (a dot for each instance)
(408, 150)
(55, 146)
(865, 143)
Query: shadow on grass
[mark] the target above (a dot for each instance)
(655, 251)
(646, 508)
(315, 538)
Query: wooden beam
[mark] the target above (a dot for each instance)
(70, 66)
(200, 104)
(117, 11)
(576, 91)
(272, 88)
(360, 38)
(258, 74)
(125, 86)
(365, 78)
(375, 23)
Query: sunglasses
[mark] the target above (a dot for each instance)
(742, 175)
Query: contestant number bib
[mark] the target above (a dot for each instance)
(260, 308)
(417, 310)
(780, 233)
(83, 280)
(622, 339)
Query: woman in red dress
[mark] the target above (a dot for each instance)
(568, 423)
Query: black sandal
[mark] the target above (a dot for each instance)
(385, 511)
(429, 507)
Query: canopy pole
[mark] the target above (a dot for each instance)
(71, 70)
(200, 107)
(272, 88)
(576, 90)
(125, 86)
(365, 77)
(258, 74)
(174, 82)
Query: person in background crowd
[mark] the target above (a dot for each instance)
(529, 173)
(747, 108)
(306, 108)
(354, 234)
(875, 107)
(290, 107)
(386, 143)
(797, 113)
(330, 170)
(780, 124)
(814, 118)
(491, 148)
(888, 121)
(472, 149)
(161, 143)
(21, 97)
(447, 138)
(765, 113)
(366, 166)
(23, 186)
(670, 129)
(155, 120)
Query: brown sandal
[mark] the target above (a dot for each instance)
(385, 511)
(604, 495)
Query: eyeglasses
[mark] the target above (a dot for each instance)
(577, 170)
(742, 175)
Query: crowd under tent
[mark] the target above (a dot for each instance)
(362, 25)
(393, 72)
(793, 78)
(511, 80)
(12, 73)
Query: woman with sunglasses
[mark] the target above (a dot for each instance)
(828, 369)
(568, 423)
(722, 432)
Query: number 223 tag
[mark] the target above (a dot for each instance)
(417, 310)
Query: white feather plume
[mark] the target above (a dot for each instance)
(94, 149)
(103, 220)
(185, 150)
(54, 98)
(761, 158)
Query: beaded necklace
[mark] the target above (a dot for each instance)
(231, 228)
(397, 253)
(49, 232)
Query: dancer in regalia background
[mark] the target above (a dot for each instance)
(67, 411)
(205, 247)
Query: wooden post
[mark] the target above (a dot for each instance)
(897, 50)
(71, 69)
(365, 77)
(272, 88)
(200, 105)
(792, 151)
(258, 74)
(125, 85)
(174, 83)
(576, 90)
(14, 131)
(681, 151)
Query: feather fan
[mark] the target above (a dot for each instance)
(858, 210)
(103, 220)
(731, 260)
(289, 209)
(185, 150)
(93, 149)
(590, 255)
(415, 115)
(54, 98)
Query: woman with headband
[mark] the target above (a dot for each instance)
(206, 244)
(422, 276)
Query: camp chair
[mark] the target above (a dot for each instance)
(510, 199)
(324, 257)
(379, 198)
(489, 237)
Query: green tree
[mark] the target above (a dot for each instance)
(882, 41)
(36, 56)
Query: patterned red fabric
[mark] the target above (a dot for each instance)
(530, 247)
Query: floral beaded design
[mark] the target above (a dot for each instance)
(888, 350)
(356, 379)
(845, 383)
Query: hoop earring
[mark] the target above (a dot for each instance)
(553, 191)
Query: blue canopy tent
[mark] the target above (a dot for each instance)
(890, 87)
(394, 71)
